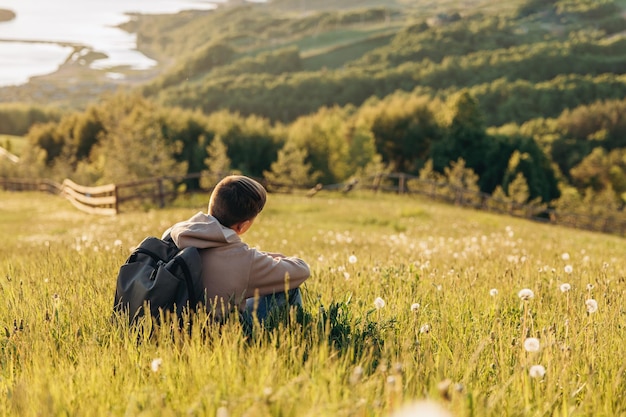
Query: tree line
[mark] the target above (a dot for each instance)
(129, 137)
(537, 93)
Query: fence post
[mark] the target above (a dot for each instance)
(161, 195)
(116, 206)
(376, 184)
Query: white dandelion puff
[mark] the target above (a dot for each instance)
(526, 294)
(565, 256)
(532, 344)
(493, 292)
(415, 306)
(565, 287)
(117, 242)
(426, 408)
(346, 275)
(589, 287)
(352, 259)
(568, 269)
(379, 303)
(537, 371)
(155, 365)
(592, 306)
(356, 375)
(425, 328)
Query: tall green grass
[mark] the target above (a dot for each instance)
(440, 334)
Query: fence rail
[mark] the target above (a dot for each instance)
(106, 199)
(95, 200)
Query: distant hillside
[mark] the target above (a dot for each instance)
(300, 59)
(521, 59)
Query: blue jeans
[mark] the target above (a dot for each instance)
(267, 303)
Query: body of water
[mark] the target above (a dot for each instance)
(35, 42)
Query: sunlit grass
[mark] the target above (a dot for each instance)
(452, 327)
(13, 144)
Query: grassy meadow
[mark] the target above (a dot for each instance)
(408, 299)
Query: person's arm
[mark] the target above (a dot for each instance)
(273, 273)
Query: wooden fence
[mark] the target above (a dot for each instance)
(95, 200)
(612, 223)
(107, 199)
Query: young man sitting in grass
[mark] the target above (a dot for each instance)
(233, 274)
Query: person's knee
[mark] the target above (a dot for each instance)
(294, 297)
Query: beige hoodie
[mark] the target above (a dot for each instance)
(232, 271)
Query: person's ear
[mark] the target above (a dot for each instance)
(241, 227)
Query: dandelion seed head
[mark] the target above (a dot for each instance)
(526, 294)
(422, 408)
(568, 269)
(493, 292)
(352, 259)
(589, 287)
(425, 328)
(346, 275)
(356, 375)
(592, 306)
(532, 344)
(379, 303)
(537, 371)
(117, 242)
(155, 365)
(565, 256)
(415, 306)
(565, 287)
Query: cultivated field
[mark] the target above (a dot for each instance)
(408, 300)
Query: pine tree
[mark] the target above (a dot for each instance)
(518, 189)
(217, 162)
(290, 169)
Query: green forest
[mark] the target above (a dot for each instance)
(325, 92)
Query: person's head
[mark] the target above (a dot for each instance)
(236, 201)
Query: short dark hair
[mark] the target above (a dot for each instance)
(235, 199)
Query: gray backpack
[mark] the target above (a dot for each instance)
(161, 278)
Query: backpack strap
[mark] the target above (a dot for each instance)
(193, 300)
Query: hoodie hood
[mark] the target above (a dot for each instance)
(202, 231)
